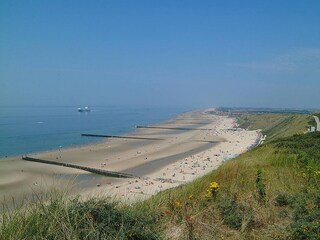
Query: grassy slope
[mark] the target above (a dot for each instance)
(240, 209)
(276, 125)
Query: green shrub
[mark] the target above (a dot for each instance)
(235, 215)
(282, 199)
(61, 218)
(260, 186)
(306, 214)
(108, 220)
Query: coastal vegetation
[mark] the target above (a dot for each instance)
(276, 125)
(269, 192)
(65, 217)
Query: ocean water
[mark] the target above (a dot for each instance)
(34, 129)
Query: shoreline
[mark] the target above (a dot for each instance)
(187, 169)
(159, 163)
(76, 146)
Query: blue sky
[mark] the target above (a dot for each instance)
(162, 53)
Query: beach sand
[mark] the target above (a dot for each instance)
(181, 156)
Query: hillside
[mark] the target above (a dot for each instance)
(276, 125)
(270, 192)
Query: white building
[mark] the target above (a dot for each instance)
(312, 129)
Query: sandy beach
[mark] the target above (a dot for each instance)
(187, 147)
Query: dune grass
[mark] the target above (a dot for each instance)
(64, 217)
(276, 125)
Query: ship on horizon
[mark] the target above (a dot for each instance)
(85, 109)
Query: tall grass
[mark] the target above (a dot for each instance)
(63, 217)
(276, 125)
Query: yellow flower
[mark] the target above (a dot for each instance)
(212, 191)
(178, 204)
(208, 194)
(190, 196)
(214, 185)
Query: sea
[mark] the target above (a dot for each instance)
(25, 130)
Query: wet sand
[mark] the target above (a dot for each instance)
(186, 152)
